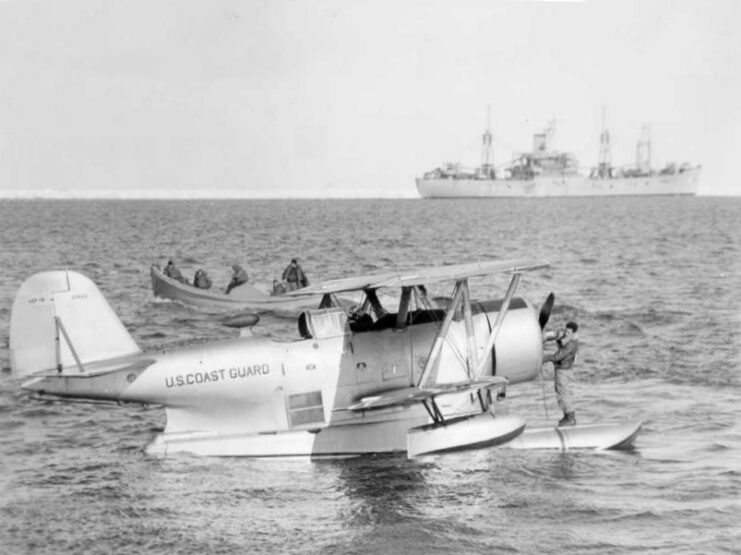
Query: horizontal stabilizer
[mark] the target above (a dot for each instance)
(101, 381)
(60, 320)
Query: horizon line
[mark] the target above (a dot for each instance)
(199, 194)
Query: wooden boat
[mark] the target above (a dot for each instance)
(606, 435)
(243, 297)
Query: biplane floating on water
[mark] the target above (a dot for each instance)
(412, 378)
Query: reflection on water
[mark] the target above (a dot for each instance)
(381, 489)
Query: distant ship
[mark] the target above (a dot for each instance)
(550, 173)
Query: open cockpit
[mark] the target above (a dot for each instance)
(414, 308)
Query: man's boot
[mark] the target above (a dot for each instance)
(569, 419)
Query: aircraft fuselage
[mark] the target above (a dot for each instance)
(264, 388)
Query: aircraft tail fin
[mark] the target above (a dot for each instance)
(60, 320)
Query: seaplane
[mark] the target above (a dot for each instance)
(419, 378)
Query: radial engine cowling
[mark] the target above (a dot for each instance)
(518, 349)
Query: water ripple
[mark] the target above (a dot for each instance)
(652, 282)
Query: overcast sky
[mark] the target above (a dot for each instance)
(343, 97)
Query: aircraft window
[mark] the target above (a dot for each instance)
(320, 324)
(305, 408)
(303, 326)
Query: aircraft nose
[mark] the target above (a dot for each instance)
(519, 347)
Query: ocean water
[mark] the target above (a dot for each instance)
(653, 282)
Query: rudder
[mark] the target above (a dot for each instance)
(53, 310)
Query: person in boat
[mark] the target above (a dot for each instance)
(294, 276)
(279, 287)
(563, 371)
(201, 280)
(172, 272)
(239, 277)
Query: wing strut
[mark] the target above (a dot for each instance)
(437, 346)
(498, 323)
(59, 327)
(433, 410)
(470, 338)
(401, 315)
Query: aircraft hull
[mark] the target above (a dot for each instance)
(411, 434)
(349, 440)
(243, 297)
(618, 435)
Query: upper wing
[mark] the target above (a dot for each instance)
(341, 285)
(421, 276)
(411, 395)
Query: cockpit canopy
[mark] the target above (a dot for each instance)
(323, 323)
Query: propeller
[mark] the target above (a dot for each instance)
(545, 310)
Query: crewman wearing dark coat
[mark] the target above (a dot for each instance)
(294, 276)
(201, 280)
(172, 272)
(563, 363)
(239, 277)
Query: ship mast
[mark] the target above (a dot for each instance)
(605, 163)
(549, 133)
(487, 160)
(643, 151)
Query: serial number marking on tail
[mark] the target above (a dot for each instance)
(74, 297)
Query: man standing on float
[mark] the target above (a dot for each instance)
(563, 378)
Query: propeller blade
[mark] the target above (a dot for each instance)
(545, 310)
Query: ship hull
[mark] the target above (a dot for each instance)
(683, 183)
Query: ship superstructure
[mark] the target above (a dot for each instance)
(547, 172)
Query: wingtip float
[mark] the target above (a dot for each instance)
(413, 378)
